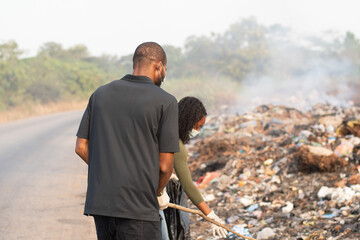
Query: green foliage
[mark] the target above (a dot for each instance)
(44, 92)
(241, 50)
(175, 61)
(55, 74)
(214, 93)
(351, 51)
(210, 67)
(9, 51)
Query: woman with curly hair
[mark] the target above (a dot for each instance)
(192, 117)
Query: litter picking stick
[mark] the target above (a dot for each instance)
(172, 205)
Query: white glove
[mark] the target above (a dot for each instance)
(163, 199)
(173, 176)
(217, 231)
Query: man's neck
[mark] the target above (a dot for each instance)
(144, 72)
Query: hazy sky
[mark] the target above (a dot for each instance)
(116, 27)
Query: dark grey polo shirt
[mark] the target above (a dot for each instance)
(128, 122)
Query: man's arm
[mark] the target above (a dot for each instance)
(82, 149)
(166, 168)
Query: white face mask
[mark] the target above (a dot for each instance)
(194, 133)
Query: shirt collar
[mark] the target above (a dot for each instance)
(144, 79)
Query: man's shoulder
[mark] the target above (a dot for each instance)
(166, 95)
(152, 89)
(107, 87)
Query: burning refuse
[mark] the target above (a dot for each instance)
(282, 173)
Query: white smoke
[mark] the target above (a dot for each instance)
(299, 81)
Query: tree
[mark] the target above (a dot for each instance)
(351, 48)
(53, 50)
(175, 61)
(241, 50)
(9, 51)
(78, 52)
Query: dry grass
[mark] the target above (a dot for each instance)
(214, 93)
(39, 110)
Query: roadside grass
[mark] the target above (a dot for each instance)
(216, 95)
(32, 110)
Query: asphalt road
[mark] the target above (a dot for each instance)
(42, 181)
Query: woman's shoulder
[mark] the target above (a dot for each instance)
(182, 149)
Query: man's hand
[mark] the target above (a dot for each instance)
(173, 176)
(163, 199)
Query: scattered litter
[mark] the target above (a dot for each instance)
(240, 230)
(288, 208)
(266, 233)
(279, 173)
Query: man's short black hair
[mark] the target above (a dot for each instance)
(147, 52)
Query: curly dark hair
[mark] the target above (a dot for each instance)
(191, 111)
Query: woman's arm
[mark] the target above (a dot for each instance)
(183, 173)
(204, 208)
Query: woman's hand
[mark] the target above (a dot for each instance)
(217, 231)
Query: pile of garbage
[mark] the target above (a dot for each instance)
(279, 173)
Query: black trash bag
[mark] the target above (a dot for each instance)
(177, 221)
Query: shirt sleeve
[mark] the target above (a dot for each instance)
(168, 133)
(183, 173)
(84, 128)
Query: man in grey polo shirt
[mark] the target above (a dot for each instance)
(127, 136)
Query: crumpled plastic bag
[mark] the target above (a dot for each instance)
(177, 221)
(240, 230)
